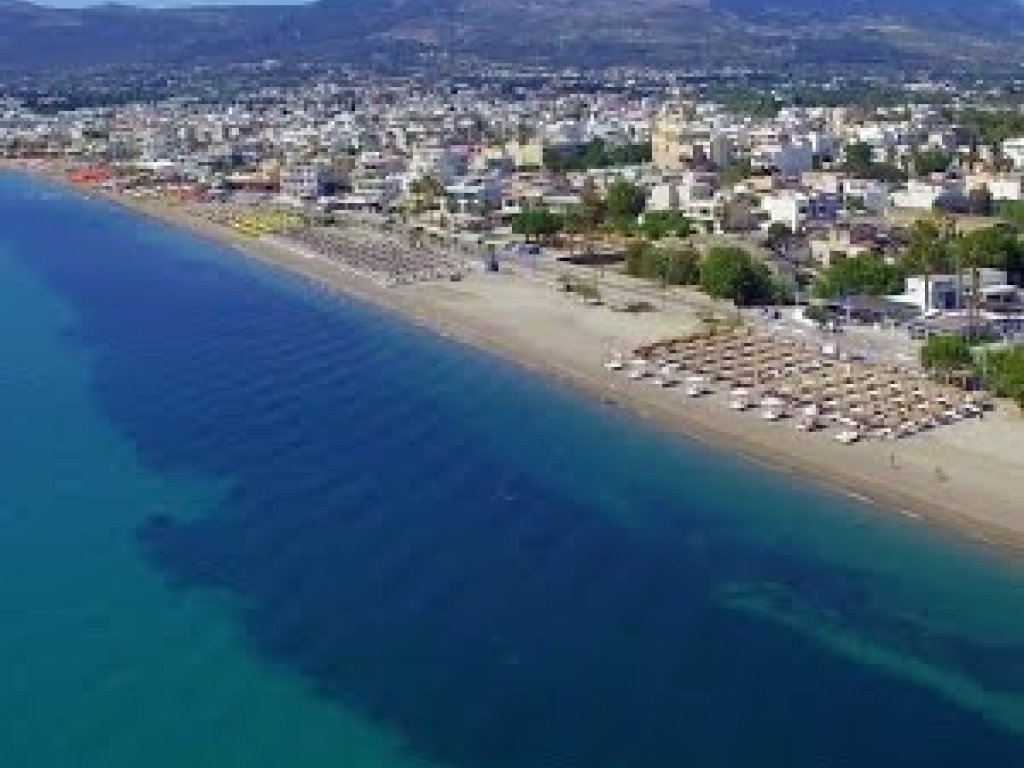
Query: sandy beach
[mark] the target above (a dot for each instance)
(964, 477)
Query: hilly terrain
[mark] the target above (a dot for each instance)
(580, 32)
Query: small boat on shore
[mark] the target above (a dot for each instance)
(810, 419)
(637, 371)
(739, 399)
(666, 375)
(773, 408)
(848, 436)
(697, 386)
(808, 424)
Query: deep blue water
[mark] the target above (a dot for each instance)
(246, 523)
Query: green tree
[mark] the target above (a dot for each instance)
(856, 204)
(625, 202)
(991, 127)
(859, 162)
(635, 259)
(659, 224)
(930, 160)
(858, 158)
(596, 154)
(751, 101)
(537, 222)
(778, 232)
(731, 273)
(1012, 212)
(428, 190)
(817, 314)
(682, 267)
(593, 209)
(1000, 247)
(669, 267)
(973, 258)
(574, 223)
(1004, 371)
(866, 274)
(946, 353)
(929, 250)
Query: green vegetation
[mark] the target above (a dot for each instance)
(659, 224)
(935, 247)
(732, 273)
(537, 222)
(724, 273)
(586, 217)
(866, 274)
(991, 127)
(1001, 370)
(930, 160)
(618, 211)
(624, 203)
(865, 95)
(856, 204)
(428, 191)
(817, 313)
(755, 102)
(1012, 212)
(1004, 373)
(859, 157)
(998, 246)
(859, 162)
(670, 267)
(946, 353)
(929, 250)
(777, 233)
(736, 171)
(597, 154)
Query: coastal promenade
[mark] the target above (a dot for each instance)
(964, 476)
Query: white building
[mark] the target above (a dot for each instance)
(789, 159)
(1013, 150)
(305, 181)
(796, 208)
(948, 293)
(1002, 186)
(924, 195)
(694, 194)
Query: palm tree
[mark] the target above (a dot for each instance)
(574, 226)
(975, 260)
(927, 252)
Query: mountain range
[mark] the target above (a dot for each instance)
(578, 32)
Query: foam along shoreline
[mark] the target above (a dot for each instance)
(964, 477)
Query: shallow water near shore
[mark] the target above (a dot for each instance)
(247, 523)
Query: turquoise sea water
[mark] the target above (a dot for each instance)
(244, 523)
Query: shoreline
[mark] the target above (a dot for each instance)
(862, 473)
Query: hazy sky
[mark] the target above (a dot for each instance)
(163, 3)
